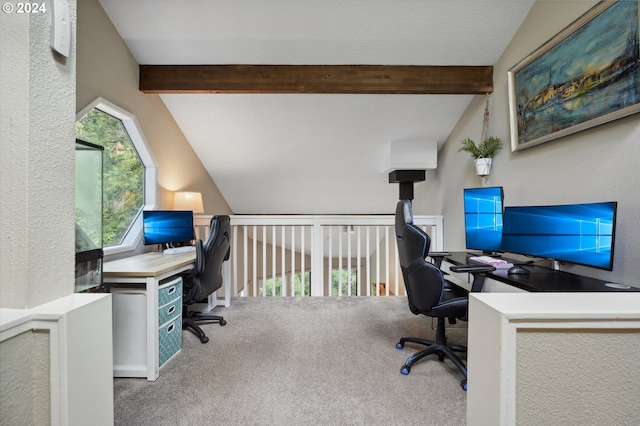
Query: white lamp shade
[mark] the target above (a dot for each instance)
(188, 201)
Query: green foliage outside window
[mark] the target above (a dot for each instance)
(270, 285)
(349, 278)
(123, 174)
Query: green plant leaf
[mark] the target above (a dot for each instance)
(486, 149)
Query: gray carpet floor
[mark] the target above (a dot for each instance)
(301, 361)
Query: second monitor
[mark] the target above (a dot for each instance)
(483, 209)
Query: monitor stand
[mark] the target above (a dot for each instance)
(486, 253)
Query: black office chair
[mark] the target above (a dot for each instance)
(428, 292)
(206, 275)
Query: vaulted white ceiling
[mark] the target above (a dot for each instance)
(308, 153)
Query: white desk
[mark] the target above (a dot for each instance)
(146, 271)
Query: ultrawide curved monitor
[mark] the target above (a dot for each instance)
(583, 234)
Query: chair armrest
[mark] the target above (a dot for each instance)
(438, 257)
(472, 268)
(439, 253)
(479, 273)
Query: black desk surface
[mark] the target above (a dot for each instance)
(542, 279)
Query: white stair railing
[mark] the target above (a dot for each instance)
(296, 255)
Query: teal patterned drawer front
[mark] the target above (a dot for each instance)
(170, 311)
(170, 340)
(170, 291)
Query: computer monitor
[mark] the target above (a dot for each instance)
(483, 218)
(167, 227)
(578, 233)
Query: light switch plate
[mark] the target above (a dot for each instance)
(60, 27)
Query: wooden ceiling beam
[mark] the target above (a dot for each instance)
(354, 79)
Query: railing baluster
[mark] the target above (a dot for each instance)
(349, 261)
(368, 263)
(317, 259)
(255, 261)
(283, 285)
(264, 260)
(340, 262)
(245, 271)
(358, 265)
(387, 285)
(330, 268)
(377, 260)
(235, 260)
(293, 260)
(302, 261)
(396, 263)
(273, 259)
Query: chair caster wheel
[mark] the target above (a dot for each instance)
(399, 345)
(204, 339)
(405, 370)
(464, 385)
(223, 323)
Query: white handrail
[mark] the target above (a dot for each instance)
(280, 248)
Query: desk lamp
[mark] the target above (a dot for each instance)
(188, 201)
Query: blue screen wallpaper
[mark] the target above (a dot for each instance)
(483, 218)
(577, 233)
(167, 226)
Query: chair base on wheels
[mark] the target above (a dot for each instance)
(439, 347)
(191, 321)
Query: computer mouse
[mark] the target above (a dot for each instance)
(517, 270)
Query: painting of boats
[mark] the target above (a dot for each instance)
(587, 75)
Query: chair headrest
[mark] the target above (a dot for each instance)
(217, 227)
(404, 216)
(218, 221)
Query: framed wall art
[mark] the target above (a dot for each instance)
(587, 75)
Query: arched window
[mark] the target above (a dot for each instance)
(129, 172)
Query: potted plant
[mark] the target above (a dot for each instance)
(482, 153)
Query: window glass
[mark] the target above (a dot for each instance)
(123, 180)
(128, 171)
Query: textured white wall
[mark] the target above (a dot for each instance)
(14, 137)
(580, 377)
(20, 402)
(37, 112)
(37, 164)
(598, 164)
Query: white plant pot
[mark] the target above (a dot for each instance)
(483, 166)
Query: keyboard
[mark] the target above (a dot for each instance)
(179, 250)
(488, 260)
